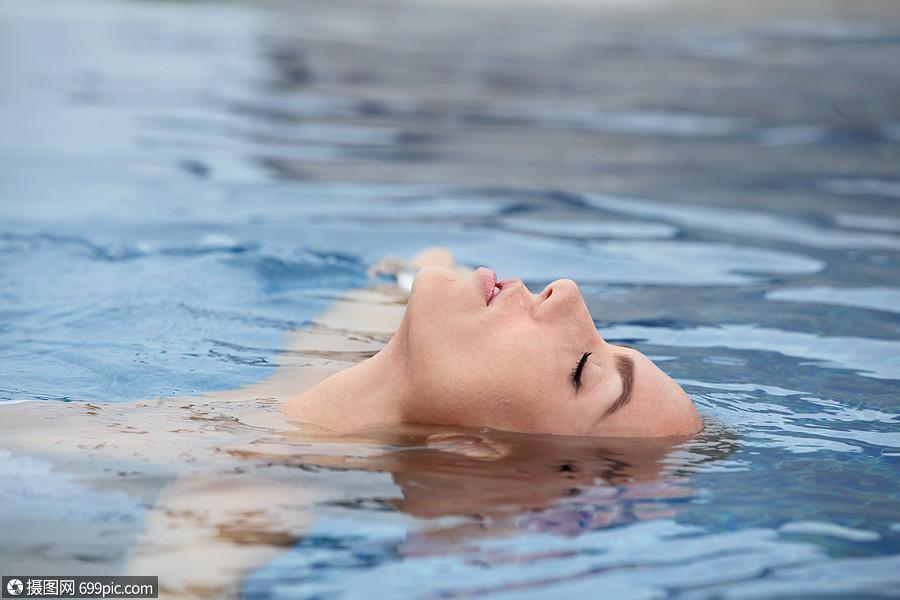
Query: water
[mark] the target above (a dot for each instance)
(182, 184)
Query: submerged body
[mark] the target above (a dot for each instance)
(217, 473)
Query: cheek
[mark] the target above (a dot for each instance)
(458, 363)
(482, 380)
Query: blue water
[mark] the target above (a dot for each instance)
(183, 183)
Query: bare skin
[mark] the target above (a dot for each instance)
(466, 354)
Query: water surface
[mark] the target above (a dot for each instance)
(184, 184)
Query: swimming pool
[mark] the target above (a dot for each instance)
(182, 184)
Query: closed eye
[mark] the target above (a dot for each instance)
(576, 372)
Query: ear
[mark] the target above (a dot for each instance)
(470, 445)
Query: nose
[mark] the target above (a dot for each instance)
(560, 296)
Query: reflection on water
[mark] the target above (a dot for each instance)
(184, 186)
(478, 489)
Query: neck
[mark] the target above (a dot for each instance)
(368, 394)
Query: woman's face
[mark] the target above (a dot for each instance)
(499, 356)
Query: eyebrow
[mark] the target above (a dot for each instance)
(625, 368)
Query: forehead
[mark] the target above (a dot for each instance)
(650, 383)
(658, 405)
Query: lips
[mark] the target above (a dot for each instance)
(490, 287)
(487, 279)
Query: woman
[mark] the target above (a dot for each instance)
(474, 351)
(207, 467)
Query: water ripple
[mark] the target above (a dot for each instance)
(744, 223)
(875, 298)
(869, 357)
